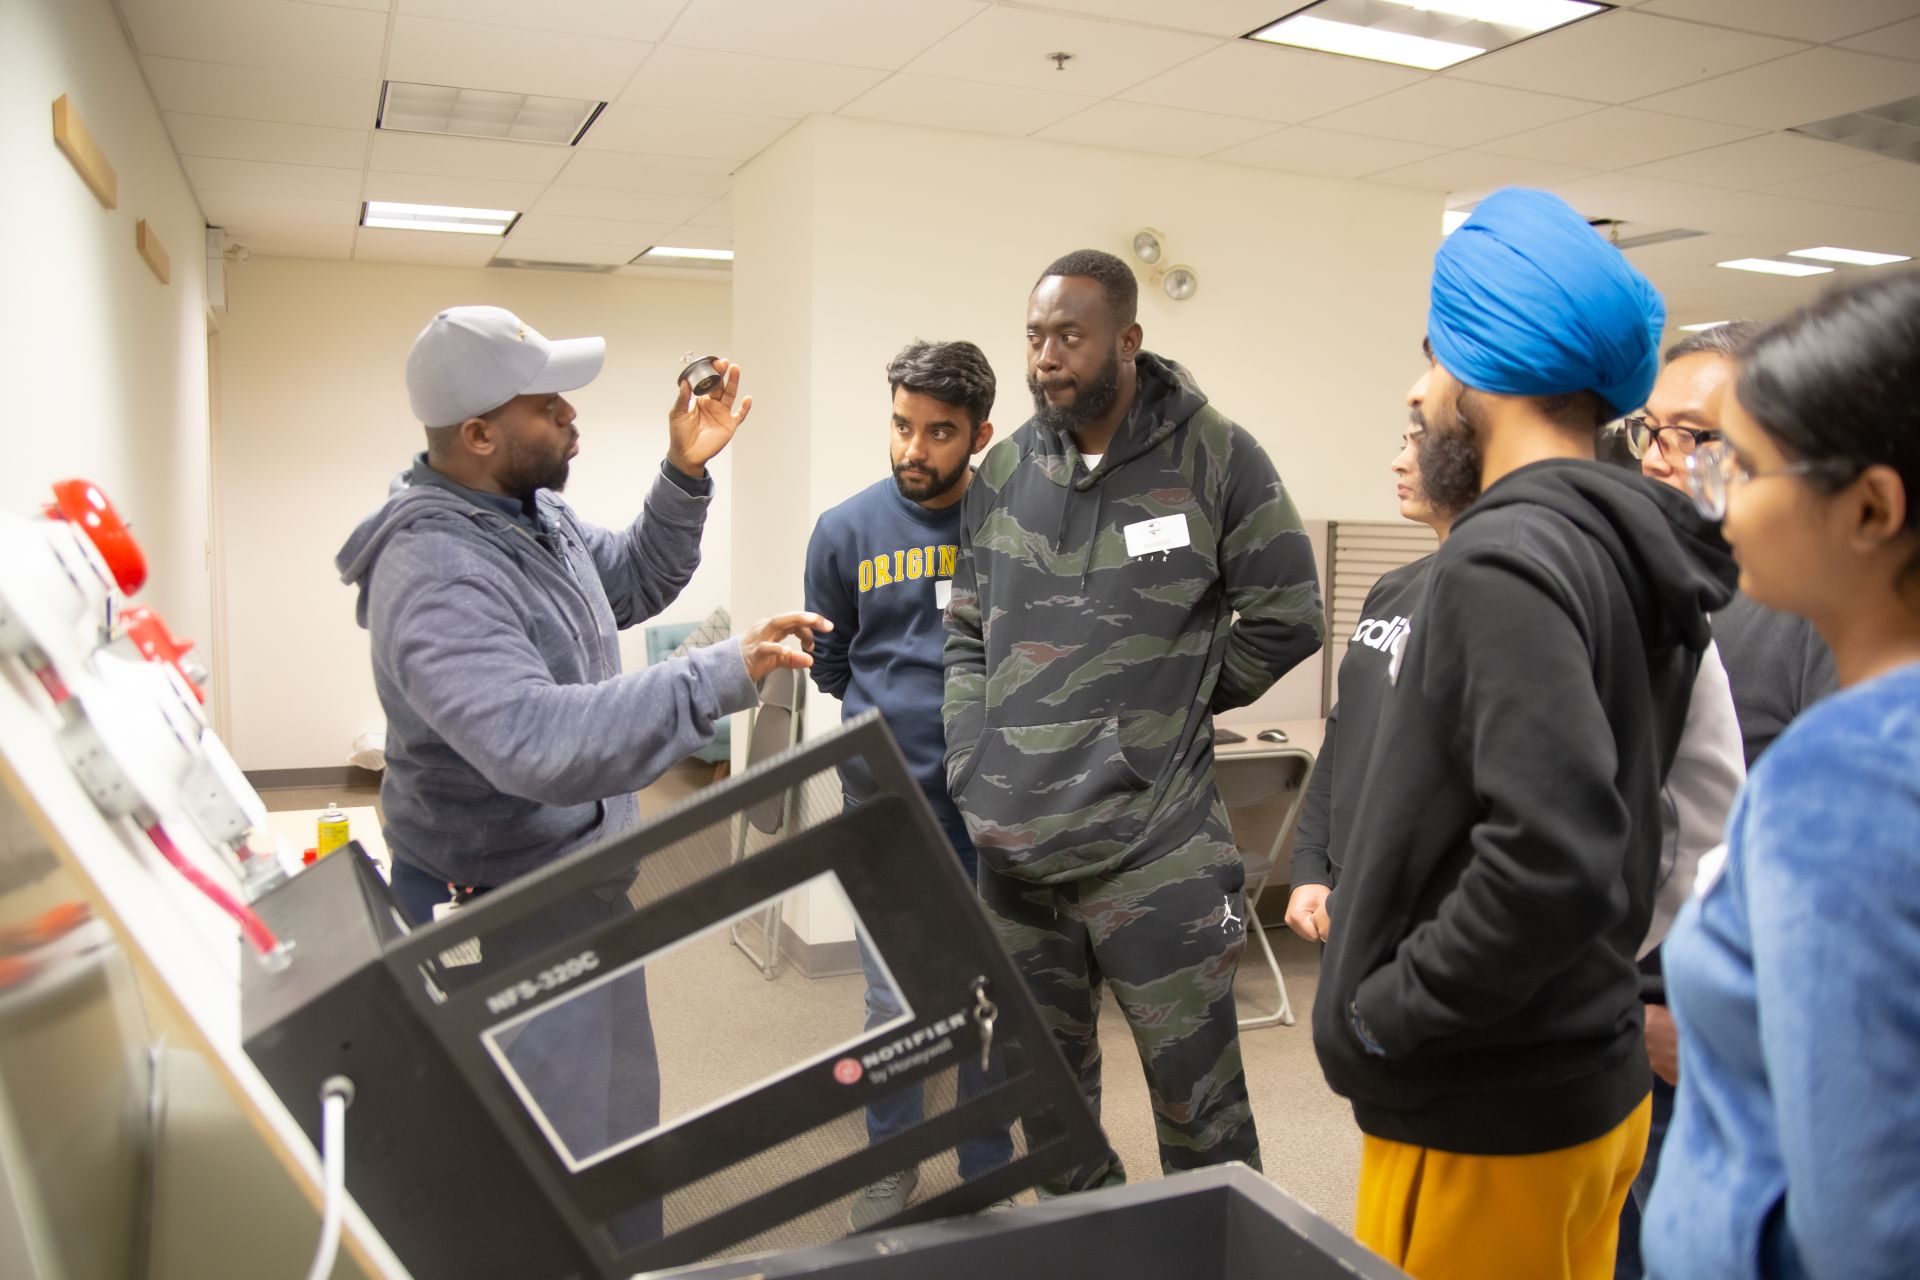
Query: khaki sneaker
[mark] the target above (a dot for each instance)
(883, 1199)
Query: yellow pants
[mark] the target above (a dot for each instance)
(1553, 1216)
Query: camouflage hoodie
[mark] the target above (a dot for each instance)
(1082, 678)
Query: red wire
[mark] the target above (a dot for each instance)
(51, 682)
(251, 925)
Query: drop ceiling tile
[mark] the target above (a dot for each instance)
(1140, 126)
(1452, 113)
(467, 157)
(276, 34)
(560, 229)
(233, 139)
(1874, 185)
(1621, 56)
(689, 236)
(440, 248)
(1817, 20)
(260, 177)
(1637, 199)
(717, 214)
(858, 33)
(1304, 149)
(472, 55)
(1208, 17)
(675, 131)
(1266, 82)
(1795, 90)
(625, 206)
(1777, 218)
(466, 193)
(1880, 230)
(1616, 137)
(1901, 40)
(1011, 46)
(251, 93)
(299, 241)
(666, 175)
(1758, 162)
(963, 104)
(745, 83)
(241, 212)
(519, 246)
(1475, 175)
(614, 19)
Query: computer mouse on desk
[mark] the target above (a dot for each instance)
(1272, 735)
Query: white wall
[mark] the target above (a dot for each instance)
(315, 423)
(105, 368)
(854, 237)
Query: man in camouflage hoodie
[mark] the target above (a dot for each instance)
(1105, 551)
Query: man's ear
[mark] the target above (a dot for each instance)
(479, 437)
(1130, 341)
(982, 436)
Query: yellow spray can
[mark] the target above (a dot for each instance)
(333, 828)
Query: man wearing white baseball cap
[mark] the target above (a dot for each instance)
(513, 738)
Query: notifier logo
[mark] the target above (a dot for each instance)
(848, 1071)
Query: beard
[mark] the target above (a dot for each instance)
(1091, 399)
(925, 486)
(1451, 454)
(526, 470)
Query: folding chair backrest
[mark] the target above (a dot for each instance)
(776, 727)
(1249, 782)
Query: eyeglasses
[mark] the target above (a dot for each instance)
(1682, 442)
(1713, 473)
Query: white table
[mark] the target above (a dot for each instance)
(300, 828)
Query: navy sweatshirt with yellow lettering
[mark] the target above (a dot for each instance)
(880, 566)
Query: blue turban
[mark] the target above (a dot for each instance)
(1528, 300)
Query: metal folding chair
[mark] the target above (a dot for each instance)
(1247, 781)
(776, 725)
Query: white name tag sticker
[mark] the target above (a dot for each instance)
(942, 593)
(1163, 533)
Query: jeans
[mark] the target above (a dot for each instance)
(902, 1109)
(1626, 1263)
(589, 1061)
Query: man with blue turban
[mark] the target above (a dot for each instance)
(1479, 1001)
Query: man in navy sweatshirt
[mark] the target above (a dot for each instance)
(880, 566)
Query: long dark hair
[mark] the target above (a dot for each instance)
(1837, 383)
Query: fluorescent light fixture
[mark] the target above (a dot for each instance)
(1703, 326)
(436, 217)
(1308, 32)
(661, 251)
(1451, 219)
(483, 113)
(1525, 15)
(1768, 267)
(1852, 257)
(1428, 34)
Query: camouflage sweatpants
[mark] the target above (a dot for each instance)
(1166, 938)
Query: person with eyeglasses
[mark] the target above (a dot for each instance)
(1793, 971)
(1776, 666)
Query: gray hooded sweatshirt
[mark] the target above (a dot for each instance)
(512, 736)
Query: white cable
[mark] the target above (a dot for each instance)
(336, 1093)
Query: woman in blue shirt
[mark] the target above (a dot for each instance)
(1794, 973)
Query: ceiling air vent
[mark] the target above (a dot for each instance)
(1891, 129)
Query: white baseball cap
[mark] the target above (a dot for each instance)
(471, 360)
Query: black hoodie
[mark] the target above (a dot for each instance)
(1479, 992)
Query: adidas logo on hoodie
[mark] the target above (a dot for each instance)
(1388, 636)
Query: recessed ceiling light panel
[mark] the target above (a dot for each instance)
(666, 255)
(1703, 326)
(1852, 257)
(1768, 267)
(484, 113)
(1428, 34)
(437, 217)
